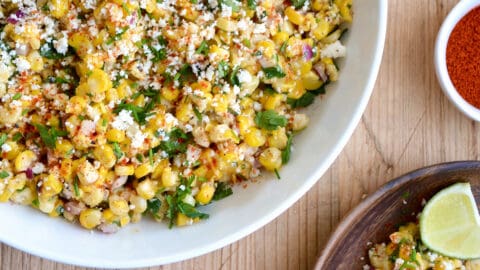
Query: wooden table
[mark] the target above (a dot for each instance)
(408, 124)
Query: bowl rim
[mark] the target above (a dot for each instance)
(351, 217)
(379, 43)
(454, 16)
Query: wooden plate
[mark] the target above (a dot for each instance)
(395, 203)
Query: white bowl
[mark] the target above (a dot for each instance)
(147, 243)
(440, 57)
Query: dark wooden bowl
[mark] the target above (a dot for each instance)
(375, 218)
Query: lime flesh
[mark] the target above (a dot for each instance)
(450, 223)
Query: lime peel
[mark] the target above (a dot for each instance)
(450, 223)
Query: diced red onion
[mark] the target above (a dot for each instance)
(14, 18)
(108, 228)
(73, 208)
(29, 173)
(120, 181)
(307, 52)
(320, 69)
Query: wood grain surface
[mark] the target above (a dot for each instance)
(408, 124)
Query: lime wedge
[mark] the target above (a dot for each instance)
(450, 223)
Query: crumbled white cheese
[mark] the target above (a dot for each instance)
(38, 168)
(123, 120)
(6, 147)
(334, 50)
(22, 64)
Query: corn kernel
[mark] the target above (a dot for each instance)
(322, 30)
(169, 177)
(59, 8)
(278, 138)
(47, 204)
(124, 170)
(116, 135)
(105, 155)
(271, 158)
(205, 194)
(90, 218)
(93, 197)
(51, 186)
(280, 38)
(36, 61)
(311, 81)
(255, 138)
(294, 16)
(183, 220)
(24, 160)
(143, 170)
(118, 205)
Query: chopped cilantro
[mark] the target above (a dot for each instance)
(49, 135)
(252, 4)
(48, 51)
(4, 174)
(233, 78)
(3, 139)
(223, 69)
(235, 5)
(17, 136)
(59, 210)
(117, 35)
(35, 202)
(277, 174)
(203, 48)
(150, 156)
(177, 142)
(198, 114)
(287, 151)
(139, 113)
(270, 120)
(75, 187)
(307, 98)
(223, 190)
(17, 96)
(272, 72)
(298, 3)
(117, 151)
(153, 206)
(139, 157)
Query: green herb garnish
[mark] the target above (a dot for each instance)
(287, 151)
(153, 206)
(223, 69)
(273, 72)
(223, 190)
(4, 174)
(203, 48)
(117, 151)
(270, 120)
(49, 135)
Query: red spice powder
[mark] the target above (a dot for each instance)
(463, 57)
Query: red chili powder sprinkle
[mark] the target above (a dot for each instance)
(463, 57)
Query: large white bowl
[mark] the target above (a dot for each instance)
(333, 120)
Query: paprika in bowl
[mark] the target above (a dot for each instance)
(457, 57)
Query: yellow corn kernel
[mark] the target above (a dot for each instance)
(157, 172)
(169, 177)
(280, 38)
(81, 42)
(218, 53)
(255, 138)
(51, 186)
(56, 209)
(203, 86)
(87, 174)
(170, 93)
(76, 105)
(47, 204)
(220, 102)
(183, 220)
(17, 182)
(139, 204)
(294, 16)
(294, 47)
(278, 138)
(273, 101)
(118, 205)
(116, 135)
(64, 147)
(98, 83)
(66, 169)
(124, 170)
(146, 189)
(345, 8)
(297, 91)
(14, 150)
(124, 89)
(184, 112)
(244, 123)
(108, 215)
(300, 121)
(226, 24)
(143, 170)
(305, 67)
(271, 158)
(36, 61)
(93, 197)
(90, 218)
(24, 196)
(267, 47)
(25, 160)
(105, 155)
(322, 30)
(311, 81)
(58, 8)
(205, 194)
(5, 196)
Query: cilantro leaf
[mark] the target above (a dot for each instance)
(223, 69)
(233, 76)
(287, 151)
(48, 51)
(270, 120)
(252, 4)
(117, 35)
(198, 114)
(153, 206)
(298, 3)
(117, 151)
(203, 48)
(4, 174)
(177, 142)
(190, 211)
(3, 139)
(223, 190)
(49, 135)
(235, 5)
(272, 72)
(307, 98)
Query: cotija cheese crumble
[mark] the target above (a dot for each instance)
(116, 109)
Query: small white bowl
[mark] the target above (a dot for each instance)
(455, 15)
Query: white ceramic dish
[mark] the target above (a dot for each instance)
(333, 120)
(440, 57)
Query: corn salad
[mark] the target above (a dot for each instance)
(116, 109)
(405, 251)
